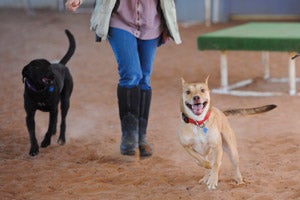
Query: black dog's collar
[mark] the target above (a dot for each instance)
(49, 87)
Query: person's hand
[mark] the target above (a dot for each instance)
(72, 5)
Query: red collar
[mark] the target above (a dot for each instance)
(197, 123)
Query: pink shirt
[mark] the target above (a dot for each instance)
(139, 17)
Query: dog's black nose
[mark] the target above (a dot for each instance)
(196, 98)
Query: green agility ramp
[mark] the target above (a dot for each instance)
(262, 36)
(254, 37)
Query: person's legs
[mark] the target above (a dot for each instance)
(147, 50)
(145, 101)
(135, 61)
(128, 101)
(124, 46)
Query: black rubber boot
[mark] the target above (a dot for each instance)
(129, 105)
(144, 147)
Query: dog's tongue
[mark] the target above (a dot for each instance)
(197, 109)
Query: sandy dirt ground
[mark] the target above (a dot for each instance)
(89, 165)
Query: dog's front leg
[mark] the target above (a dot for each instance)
(34, 147)
(211, 178)
(200, 160)
(51, 129)
(65, 104)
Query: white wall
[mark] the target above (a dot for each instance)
(37, 4)
(52, 4)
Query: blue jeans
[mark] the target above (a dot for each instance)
(134, 58)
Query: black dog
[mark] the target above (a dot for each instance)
(46, 85)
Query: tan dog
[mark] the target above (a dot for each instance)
(205, 131)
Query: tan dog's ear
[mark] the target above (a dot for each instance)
(182, 81)
(206, 80)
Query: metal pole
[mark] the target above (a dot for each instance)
(207, 5)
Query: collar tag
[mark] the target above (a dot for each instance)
(51, 88)
(205, 130)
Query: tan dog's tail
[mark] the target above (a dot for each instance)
(249, 111)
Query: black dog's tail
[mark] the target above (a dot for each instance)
(71, 50)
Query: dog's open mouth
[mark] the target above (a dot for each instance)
(197, 108)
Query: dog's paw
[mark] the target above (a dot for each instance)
(238, 177)
(211, 180)
(34, 150)
(46, 142)
(61, 141)
(239, 180)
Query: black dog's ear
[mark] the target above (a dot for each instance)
(25, 73)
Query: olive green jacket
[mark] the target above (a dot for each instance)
(103, 9)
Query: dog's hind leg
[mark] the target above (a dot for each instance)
(233, 154)
(51, 129)
(34, 149)
(230, 147)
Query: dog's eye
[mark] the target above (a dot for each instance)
(188, 92)
(203, 90)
